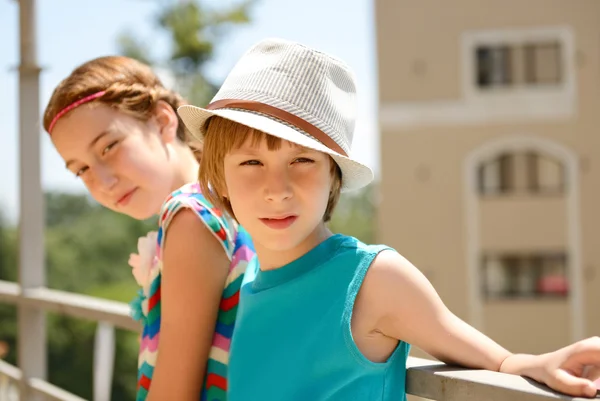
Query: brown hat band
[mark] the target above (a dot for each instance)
(251, 105)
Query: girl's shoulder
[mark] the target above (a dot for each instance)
(189, 196)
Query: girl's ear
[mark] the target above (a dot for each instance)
(167, 121)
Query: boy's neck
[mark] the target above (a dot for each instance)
(270, 259)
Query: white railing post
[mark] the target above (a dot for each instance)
(31, 321)
(8, 391)
(104, 360)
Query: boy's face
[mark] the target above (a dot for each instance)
(279, 196)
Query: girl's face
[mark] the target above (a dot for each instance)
(279, 196)
(126, 164)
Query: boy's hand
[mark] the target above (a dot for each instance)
(571, 370)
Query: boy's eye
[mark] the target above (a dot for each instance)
(250, 163)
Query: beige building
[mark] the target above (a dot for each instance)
(489, 114)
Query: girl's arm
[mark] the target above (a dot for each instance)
(195, 268)
(406, 307)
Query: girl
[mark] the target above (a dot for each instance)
(323, 316)
(115, 125)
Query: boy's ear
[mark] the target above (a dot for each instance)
(167, 121)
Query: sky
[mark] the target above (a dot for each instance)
(70, 32)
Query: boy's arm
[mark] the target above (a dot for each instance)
(407, 308)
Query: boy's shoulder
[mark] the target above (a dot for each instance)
(350, 244)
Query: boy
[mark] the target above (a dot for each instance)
(323, 316)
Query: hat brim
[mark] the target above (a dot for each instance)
(355, 175)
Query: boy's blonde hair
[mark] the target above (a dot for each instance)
(220, 137)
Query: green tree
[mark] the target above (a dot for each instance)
(8, 272)
(87, 247)
(65, 208)
(355, 214)
(195, 30)
(8, 257)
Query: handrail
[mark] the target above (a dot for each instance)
(42, 387)
(70, 304)
(425, 378)
(437, 381)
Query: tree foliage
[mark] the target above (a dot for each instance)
(195, 31)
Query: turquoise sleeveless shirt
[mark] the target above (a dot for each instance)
(293, 340)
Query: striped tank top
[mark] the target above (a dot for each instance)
(147, 306)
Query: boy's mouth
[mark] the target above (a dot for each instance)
(279, 223)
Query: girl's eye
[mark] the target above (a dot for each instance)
(250, 163)
(303, 160)
(79, 172)
(108, 148)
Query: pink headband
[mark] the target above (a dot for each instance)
(72, 106)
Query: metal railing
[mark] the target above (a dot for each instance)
(108, 314)
(425, 378)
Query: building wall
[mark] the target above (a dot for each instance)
(433, 118)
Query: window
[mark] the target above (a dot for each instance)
(542, 63)
(518, 64)
(493, 65)
(524, 276)
(545, 174)
(521, 172)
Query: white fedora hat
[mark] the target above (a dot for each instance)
(293, 92)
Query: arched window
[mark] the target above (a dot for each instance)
(521, 172)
